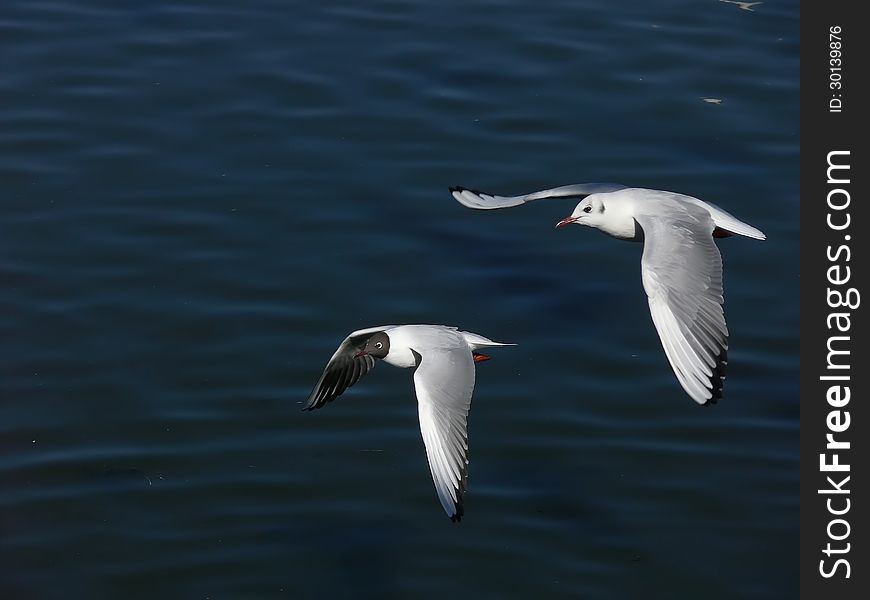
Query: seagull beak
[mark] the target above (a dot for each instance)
(360, 353)
(566, 221)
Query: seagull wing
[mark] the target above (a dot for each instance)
(444, 381)
(682, 276)
(343, 369)
(483, 201)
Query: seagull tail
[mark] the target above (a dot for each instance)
(732, 224)
(738, 227)
(477, 341)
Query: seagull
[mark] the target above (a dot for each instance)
(681, 268)
(443, 361)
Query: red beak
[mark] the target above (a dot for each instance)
(360, 353)
(566, 221)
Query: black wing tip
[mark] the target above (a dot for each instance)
(459, 505)
(319, 402)
(458, 188)
(717, 379)
(312, 404)
(317, 399)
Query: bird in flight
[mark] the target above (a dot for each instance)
(443, 360)
(681, 268)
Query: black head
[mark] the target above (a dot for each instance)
(377, 345)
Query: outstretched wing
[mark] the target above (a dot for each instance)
(682, 276)
(483, 201)
(344, 369)
(444, 381)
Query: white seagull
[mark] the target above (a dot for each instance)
(681, 267)
(443, 359)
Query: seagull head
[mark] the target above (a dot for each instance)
(377, 346)
(589, 212)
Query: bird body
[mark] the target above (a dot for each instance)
(681, 268)
(443, 359)
(625, 206)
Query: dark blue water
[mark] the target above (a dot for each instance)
(201, 199)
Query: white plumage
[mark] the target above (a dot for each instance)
(681, 268)
(443, 359)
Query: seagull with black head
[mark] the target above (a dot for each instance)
(443, 360)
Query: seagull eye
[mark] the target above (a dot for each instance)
(379, 345)
(587, 209)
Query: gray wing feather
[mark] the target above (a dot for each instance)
(682, 276)
(484, 201)
(444, 381)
